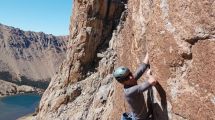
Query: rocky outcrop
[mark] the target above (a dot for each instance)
(8, 88)
(82, 87)
(29, 58)
(179, 36)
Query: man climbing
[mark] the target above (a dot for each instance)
(133, 91)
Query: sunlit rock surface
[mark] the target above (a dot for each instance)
(179, 36)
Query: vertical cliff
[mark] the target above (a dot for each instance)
(83, 86)
(179, 36)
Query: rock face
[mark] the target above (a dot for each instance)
(29, 58)
(179, 36)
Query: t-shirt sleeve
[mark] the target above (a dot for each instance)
(139, 72)
(138, 88)
(144, 86)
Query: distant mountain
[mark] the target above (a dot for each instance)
(29, 58)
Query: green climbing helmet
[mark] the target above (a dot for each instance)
(121, 73)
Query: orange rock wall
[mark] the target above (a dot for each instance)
(179, 36)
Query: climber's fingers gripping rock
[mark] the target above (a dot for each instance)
(151, 79)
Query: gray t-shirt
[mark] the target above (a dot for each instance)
(134, 95)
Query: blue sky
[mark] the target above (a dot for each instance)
(48, 16)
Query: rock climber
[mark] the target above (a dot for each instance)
(133, 92)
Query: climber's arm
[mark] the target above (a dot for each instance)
(142, 68)
(150, 82)
(142, 87)
(139, 72)
(137, 88)
(146, 59)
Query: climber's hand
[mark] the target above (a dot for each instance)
(151, 79)
(149, 72)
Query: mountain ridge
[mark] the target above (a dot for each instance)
(30, 58)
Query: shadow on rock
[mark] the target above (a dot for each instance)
(158, 109)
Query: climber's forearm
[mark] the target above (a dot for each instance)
(140, 70)
(143, 87)
(146, 59)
